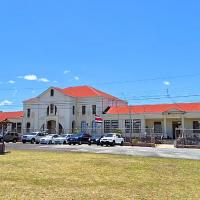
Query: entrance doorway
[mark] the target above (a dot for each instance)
(176, 125)
(51, 126)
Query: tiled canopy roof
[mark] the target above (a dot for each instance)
(158, 108)
(10, 115)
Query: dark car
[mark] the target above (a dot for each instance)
(79, 139)
(10, 137)
(95, 139)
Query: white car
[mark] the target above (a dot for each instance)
(62, 139)
(33, 137)
(49, 139)
(112, 139)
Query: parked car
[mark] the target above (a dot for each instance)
(62, 139)
(10, 137)
(79, 139)
(33, 137)
(95, 139)
(112, 139)
(49, 139)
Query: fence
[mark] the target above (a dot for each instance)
(188, 138)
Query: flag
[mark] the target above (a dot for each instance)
(98, 119)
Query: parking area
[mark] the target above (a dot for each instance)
(167, 152)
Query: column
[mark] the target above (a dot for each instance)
(183, 124)
(165, 127)
(143, 125)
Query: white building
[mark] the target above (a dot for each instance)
(63, 110)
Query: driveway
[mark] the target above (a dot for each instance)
(193, 154)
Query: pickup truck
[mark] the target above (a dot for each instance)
(112, 139)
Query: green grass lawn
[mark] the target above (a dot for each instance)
(47, 175)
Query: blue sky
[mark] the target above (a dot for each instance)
(131, 49)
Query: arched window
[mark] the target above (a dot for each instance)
(55, 110)
(83, 126)
(52, 92)
(48, 111)
(51, 108)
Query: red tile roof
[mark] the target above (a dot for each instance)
(85, 91)
(158, 108)
(10, 115)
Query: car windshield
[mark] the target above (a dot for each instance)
(78, 135)
(109, 135)
(96, 136)
(32, 133)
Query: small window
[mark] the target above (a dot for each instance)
(28, 112)
(83, 110)
(52, 93)
(94, 109)
(73, 110)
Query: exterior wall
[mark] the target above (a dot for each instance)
(64, 115)
(14, 121)
(39, 115)
(147, 121)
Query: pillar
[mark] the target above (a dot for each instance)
(165, 127)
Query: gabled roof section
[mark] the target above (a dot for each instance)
(11, 115)
(85, 91)
(157, 108)
(32, 100)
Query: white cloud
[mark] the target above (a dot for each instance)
(30, 77)
(67, 71)
(11, 82)
(166, 83)
(45, 80)
(33, 77)
(76, 78)
(5, 103)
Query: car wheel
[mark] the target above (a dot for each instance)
(122, 144)
(113, 143)
(14, 140)
(80, 143)
(70, 143)
(107, 144)
(64, 142)
(101, 144)
(50, 142)
(37, 143)
(24, 142)
(32, 141)
(74, 143)
(89, 143)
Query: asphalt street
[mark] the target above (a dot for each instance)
(193, 154)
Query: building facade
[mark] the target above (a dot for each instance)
(74, 109)
(67, 110)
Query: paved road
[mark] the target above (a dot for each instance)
(133, 151)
